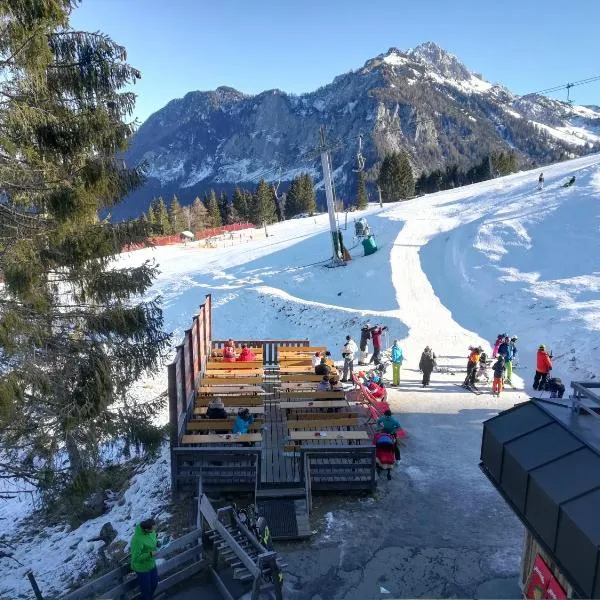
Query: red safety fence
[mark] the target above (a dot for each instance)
(167, 240)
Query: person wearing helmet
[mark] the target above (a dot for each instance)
(365, 336)
(472, 367)
(243, 421)
(542, 369)
(499, 340)
(515, 358)
(506, 351)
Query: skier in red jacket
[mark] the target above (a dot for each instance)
(542, 369)
(376, 333)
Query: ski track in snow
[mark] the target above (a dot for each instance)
(453, 269)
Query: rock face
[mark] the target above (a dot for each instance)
(424, 100)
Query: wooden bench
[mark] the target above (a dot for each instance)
(318, 424)
(218, 425)
(294, 362)
(300, 377)
(310, 416)
(230, 400)
(254, 380)
(221, 364)
(307, 386)
(317, 404)
(200, 411)
(307, 370)
(233, 372)
(243, 389)
(349, 436)
(223, 438)
(301, 395)
(287, 350)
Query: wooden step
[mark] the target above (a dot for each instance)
(296, 492)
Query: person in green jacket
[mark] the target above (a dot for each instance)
(143, 547)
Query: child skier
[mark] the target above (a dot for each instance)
(498, 368)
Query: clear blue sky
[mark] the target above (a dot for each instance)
(299, 45)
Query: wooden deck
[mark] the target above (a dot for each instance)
(302, 439)
(276, 467)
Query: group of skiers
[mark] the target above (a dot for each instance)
(567, 183)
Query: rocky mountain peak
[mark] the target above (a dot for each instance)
(443, 62)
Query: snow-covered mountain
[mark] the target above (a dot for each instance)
(424, 100)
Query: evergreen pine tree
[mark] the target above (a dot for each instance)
(177, 219)
(293, 205)
(396, 178)
(361, 194)
(263, 207)
(239, 204)
(214, 214)
(223, 203)
(151, 215)
(199, 216)
(309, 204)
(162, 216)
(74, 332)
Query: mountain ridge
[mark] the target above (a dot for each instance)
(424, 100)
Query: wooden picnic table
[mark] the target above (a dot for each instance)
(304, 395)
(221, 438)
(230, 389)
(297, 377)
(314, 404)
(216, 363)
(305, 370)
(233, 372)
(245, 401)
(300, 349)
(304, 436)
(227, 380)
(219, 425)
(232, 410)
(304, 424)
(300, 385)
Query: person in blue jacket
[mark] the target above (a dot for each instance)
(243, 421)
(397, 358)
(506, 349)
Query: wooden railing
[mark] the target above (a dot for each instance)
(270, 355)
(185, 560)
(190, 358)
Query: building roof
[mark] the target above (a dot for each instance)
(545, 462)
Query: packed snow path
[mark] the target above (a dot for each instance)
(454, 268)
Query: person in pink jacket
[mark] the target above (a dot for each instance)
(497, 343)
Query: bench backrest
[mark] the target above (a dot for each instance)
(218, 425)
(319, 424)
(231, 400)
(302, 395)
(222, 364)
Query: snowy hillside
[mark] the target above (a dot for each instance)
(454, 268)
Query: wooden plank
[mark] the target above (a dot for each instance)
(218, 425)
(231, 400)
(216, 438)
(317, 395)
(287, 370)
(285, 362)
(307, 386)
(231, 410)
(323, 415)
(328, 435)
(221, 364)
(300, 377)
(285, 350)
(315, 404)
(230, 389)
(317, 423)
(226, 380)
(233, 372)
